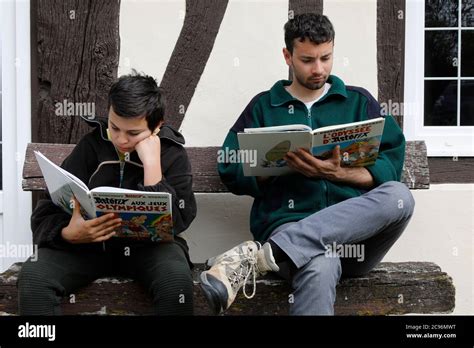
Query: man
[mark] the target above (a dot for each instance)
(305, 216)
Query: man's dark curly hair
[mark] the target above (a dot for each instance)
(317, 28)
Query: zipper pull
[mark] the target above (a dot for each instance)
(122, 167)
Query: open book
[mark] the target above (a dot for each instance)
(145, 215)
(262, 149)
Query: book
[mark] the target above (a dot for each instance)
(262, 150)
(145, 215)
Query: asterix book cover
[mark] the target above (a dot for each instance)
(359, 144)
(145, 215)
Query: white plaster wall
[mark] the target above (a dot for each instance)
(148, 33)
(246, 59)
(247, 55)
(441, 231)
(355, 49)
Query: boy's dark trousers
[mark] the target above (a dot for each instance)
(162, 268)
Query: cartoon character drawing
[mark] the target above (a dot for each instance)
(163, 229)
(135, 227)
(274, 157)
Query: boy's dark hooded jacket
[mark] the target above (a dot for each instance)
(96, 162)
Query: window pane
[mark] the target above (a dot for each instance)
(441, 13)
(467, 53)
(440, 103)
(441, 52)
(467, 103)
(467, 14)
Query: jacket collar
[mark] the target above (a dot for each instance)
(279, 95)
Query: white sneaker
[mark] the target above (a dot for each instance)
(231, 270)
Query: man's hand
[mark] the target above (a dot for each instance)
(89, 231)
(149, 151)
(330, 169)
(305, 163)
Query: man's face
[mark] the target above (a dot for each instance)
(311, 63)
(126, 133)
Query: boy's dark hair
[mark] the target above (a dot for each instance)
(136, 95)
(317, 28)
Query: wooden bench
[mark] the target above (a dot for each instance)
(391, 288)
(203, 161)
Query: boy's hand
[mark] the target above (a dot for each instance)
(89, 231)
(149, 149)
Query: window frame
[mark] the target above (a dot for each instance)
(442, 141)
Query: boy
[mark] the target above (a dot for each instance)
(133, 151)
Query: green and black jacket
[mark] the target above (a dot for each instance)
(276, 107)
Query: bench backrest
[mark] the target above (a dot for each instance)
(203, 161)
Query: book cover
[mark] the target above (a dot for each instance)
(145, 215)
(359, 145)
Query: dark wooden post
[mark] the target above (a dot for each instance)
(305, 6)
(188, 60)
(77, 51)
(391, 54)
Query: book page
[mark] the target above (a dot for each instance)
(110, 189)
(348, 125)
(262, 154)
(285, 128)
(62, 186)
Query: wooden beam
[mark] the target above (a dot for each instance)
(305, 6)
(391, 53)
(188, 60)
(204, 165)
(77, 53)
(459, 170)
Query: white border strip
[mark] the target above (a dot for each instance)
(16, 121)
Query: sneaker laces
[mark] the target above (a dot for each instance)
(242, 275)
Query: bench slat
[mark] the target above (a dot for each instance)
(203, 161)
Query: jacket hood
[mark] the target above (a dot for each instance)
(166, 131)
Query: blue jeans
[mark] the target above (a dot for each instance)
(347, 239)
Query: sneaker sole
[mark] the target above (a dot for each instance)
(211, 295)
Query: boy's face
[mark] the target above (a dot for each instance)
(311, 63)
(126, 133)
